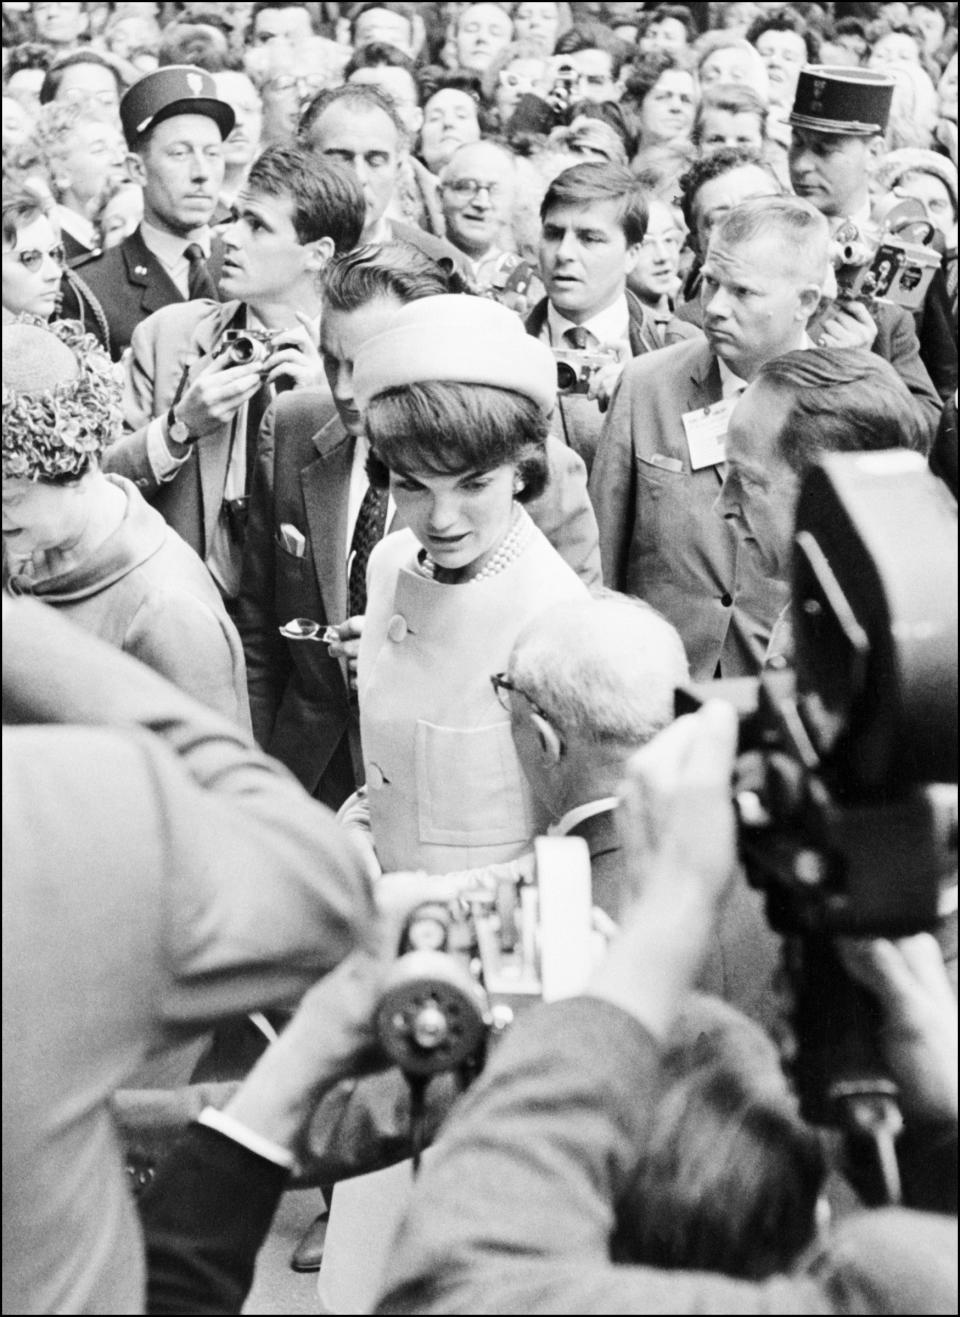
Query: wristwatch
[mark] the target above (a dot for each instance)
(177, 431)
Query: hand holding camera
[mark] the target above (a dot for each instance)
(293, 361)
(592, 374)
(215, 394)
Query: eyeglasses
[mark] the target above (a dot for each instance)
(465, 189)
(502, 687)
(286, 82)
(33, 260)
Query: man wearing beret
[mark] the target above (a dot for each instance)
(838, 120)
(175, 126)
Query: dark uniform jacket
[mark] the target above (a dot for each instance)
(130, 284)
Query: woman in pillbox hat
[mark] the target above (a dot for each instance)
(456, 399)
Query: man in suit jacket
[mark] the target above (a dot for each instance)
(175, 125)
(160, 875)
(734, 174)
(593, 218)
(659, 467)
(192, 416)
(305, 506)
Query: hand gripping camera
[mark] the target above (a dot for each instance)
(846, 778)
(898, 270)
(247, 347)
(575, 369)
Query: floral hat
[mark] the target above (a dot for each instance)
(61, 399)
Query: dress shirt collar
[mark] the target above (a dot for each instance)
(77, 225)
(611, 325)
(169, 247)
(580, 813)
(733, 385)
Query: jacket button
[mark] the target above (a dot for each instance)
(375, 777)
(397, 628)
(726, 600)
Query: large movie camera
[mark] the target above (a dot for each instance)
(897, 269)
(466, 967)
(847, 770)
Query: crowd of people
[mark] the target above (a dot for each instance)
(425, 392)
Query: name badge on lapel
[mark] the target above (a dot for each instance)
(706, 431)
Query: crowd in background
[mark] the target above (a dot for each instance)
(427, 391)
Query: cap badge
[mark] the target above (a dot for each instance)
(195, 83)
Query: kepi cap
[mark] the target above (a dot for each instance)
(853, 102)
(176, 89)
(458, 339)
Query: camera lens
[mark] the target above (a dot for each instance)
(243, 351)
(566, 377)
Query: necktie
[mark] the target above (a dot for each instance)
(578, 337)
(199, 280)
(371, 523)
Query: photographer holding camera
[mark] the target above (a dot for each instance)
(201, 374)
(838, 120)
(549, 1138)
(594, 218)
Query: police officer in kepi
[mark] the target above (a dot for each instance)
(174, 124)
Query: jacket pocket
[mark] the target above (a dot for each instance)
(469, 786)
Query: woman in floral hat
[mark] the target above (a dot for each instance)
(87, 543)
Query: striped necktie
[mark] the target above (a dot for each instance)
(368, 532)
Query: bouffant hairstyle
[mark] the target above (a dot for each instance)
(451, 429)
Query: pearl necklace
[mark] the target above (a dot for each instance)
(509, 550)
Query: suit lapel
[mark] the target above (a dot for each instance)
(146, 273)
(325, 483)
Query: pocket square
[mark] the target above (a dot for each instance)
(666, 463)
(292, 540)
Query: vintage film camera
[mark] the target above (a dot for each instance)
(846, 781)
(253, 348)
(247, 347)
(466, 967)
(576, 369)
(898, 270)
